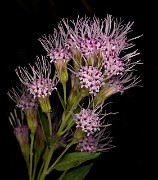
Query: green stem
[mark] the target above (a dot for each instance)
(50, 124)
(66, 129)
(53, 165)
(31, 155)
(27, 161)
(40, 171)
(36, 159)
(65, 118)
(64, 89)
(44, 173)
(62, 175)
(43, 163)
(75, 104)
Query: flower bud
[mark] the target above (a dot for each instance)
(45, 104)
(72, 97)
(39, 140)
(31, 116)
(103, 95)
(79, 134)
(22, 134)
(62, 73)
(77, 57)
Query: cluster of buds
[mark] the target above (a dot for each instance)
(91, 55)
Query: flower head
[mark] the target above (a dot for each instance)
(99, 42)
(91, 78)
(27, 103)
(122, 83)
(18, 124)
(88, 144)
(85, 36)
(41, 88)
(97, 36)
(98, 142)
(23, 99)
(54, 45)
(39, 143)
(38, 83)
(21, 132)
(90, 47)
(114, 66)
(58, 53)
(90, 120)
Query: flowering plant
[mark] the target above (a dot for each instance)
(89, 59)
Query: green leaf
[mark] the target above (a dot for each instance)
(74, 159)
(45, 125)
(78, 173)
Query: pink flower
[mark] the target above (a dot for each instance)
(90, 120)
(21, 130)
(39, 83)
(122, 83)
(54, 45)
(92, 36)
(114, 66)
(91, 78)
(101, 41)
(88, 144)
(98, 142)
(42, 87)
(94, 42)
(23, 99)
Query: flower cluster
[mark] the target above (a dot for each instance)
(95, 40)
(38, 83)
(91, 78)
(88, 120)
(90, 53)
(100, 142)
(23, 99)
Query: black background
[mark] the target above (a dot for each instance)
(133, 128)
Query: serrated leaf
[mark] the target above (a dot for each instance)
(45, 125)
(78, 173)
(74, 159)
